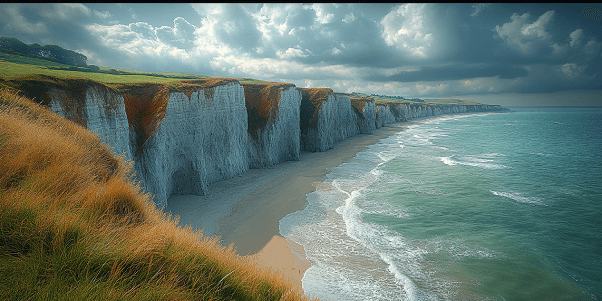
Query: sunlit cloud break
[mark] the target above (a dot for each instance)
(414, 50)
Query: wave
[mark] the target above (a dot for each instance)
(520, 197)
(353, 259)
(480, 161)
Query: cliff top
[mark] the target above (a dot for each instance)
(262, 101)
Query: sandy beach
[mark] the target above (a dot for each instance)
(246, 210)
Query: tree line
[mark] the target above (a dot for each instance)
(53, 53)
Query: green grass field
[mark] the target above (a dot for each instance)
(12, 66)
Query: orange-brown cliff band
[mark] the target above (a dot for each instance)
(262, 101)
(311, 102)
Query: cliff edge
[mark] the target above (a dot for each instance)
(185, 135)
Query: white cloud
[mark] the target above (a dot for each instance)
(478, 8)
(349, 18)
(576, 38)
(538, 28)
(125, 39)
(406, 28)
(325, 13)
(527, 38)
(181, 35)
(576, 50)
(592, 48)
(102, 14)
(291, 53)
(572, 70)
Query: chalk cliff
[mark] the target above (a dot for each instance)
(365, 109)
(183, 136)
(326, 118)
(384, 115)
(98, 108)
(182, 141)
(273, 123)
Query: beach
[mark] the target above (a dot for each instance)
(245, 211)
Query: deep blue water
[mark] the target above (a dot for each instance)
(471, 207)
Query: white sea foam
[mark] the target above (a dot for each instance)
(353, 259)
(474, 161)
(520, 197)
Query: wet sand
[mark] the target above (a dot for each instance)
(246, 210)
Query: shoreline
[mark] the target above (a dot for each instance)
(245, 211)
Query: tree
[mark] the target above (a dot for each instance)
(53, 53)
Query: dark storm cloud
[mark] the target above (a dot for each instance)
(60, 24)
(409, 49)
(455, 72)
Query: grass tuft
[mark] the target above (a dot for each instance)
(262, 100)
(311, 102)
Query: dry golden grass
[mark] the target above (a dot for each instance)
(311, 102)
(358, 103)
(262, 101)
(73, 226)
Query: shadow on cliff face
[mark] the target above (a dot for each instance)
(262, 101)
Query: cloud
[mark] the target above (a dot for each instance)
(228, 25)
(16, 23)
(423, 50)
(32, 19)
(65, 11)
(576, 38)
(406, 28)
(452, 72)
(181, 35)
(291, 53)
(527, 38)
(572, 70)
(478, 8)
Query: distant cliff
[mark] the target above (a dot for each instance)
(183, 136)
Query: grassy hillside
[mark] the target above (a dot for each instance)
(74, 227)
(12, 66)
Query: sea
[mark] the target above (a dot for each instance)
(494, 206)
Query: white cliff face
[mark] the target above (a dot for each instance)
(384, 115)
(279, 140)
(201, 139)
(335, 122)
(400, 111)
(368, 123)
(102, 112)
(203, 136)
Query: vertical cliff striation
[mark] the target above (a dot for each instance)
(365, 109)
(183, 136)
(88, 103)
(273, 123)
(187, 136)
(326, 117)
(384, 115)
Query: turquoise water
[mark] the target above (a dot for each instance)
(472, 207)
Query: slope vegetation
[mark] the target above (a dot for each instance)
(73, 226)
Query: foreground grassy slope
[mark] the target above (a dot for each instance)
(74, 227)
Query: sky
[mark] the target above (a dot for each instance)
(508, 54)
